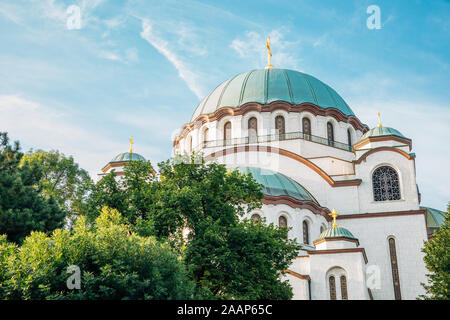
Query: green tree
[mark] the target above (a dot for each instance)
(22, 207)
(227, 257)
(437, 260)
(114, 263)
(198, 208)
(62, 179)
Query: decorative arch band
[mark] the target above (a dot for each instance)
(288, 154)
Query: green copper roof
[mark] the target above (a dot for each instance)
(337, 232)
(268, 85)
(382, 131)
(127, 156)
(277, 184)
(435, 218)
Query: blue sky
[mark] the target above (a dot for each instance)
(139, 68)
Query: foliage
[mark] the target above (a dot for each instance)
(437, 260)
(61, 179)
(114, 264)
(198, 209)
(229, 258)
(23, 208)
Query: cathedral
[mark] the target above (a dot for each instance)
(347, 192)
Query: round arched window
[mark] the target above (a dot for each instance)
(256, 217)
(385, 184)
(282, 221)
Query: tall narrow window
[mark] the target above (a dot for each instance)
(332, 282)
(394, 265)
(306, 128)
(385, 184)
(349, 137)
(344, 294)
(205, 137)
(190, 144)
(322, 229)
(227, 133)
(280, 126)
(305, 233)
(330, 134)
(282, 221)
(252, 129)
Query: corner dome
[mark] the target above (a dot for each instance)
(277, 184)
(267, 85)
(337, 232)
(128, 156)
(381, 132)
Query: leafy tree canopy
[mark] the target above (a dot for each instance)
(437, 260)
(61, 179)
(23, 208)
(114, 263)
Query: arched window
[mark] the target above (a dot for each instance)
(322, 229)
(349, 137)
(330, 134)
(252, 129)
(190, 144)
(344, 294)
(282, 221)
(205, 137)
(385, 184)
(332, 283)
(227, 133)
(394, 265)
(306, 128)
(256, 217)
(305, 233)
(280, 127)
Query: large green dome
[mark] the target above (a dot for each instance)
(128, 156)
(268, 85)
(277, 184)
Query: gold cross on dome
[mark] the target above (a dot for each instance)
(379, 120)
(269, 54)
(334, 214)
(131, 145)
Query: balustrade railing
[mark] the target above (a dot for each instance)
(273, 137)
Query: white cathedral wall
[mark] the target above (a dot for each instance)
(410, 233)
(408, 190)
(295, 218)
(354, 268)
(300, 288)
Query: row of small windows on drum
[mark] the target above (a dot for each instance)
(280, 128)
(282, 222)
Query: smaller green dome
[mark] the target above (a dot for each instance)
(435, 218)
(128, 156)
(277, 184)
(337, 232)
(382, 131)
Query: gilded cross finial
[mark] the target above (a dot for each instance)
(334, 214)
(131, 145)
(269, 54)
(379, 120)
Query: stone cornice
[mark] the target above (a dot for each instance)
(393, 149)
(294, 203)
(406, 141)
(333, 251)
(271, 107)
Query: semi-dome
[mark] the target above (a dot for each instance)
(382, 131)
(128, 156)
(277, 184)
(338, 232)
(268, 85)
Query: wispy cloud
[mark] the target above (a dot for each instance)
(190, 77)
